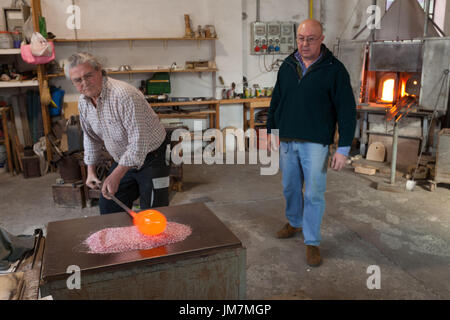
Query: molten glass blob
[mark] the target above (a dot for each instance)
(150, 222)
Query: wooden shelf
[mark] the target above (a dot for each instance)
(181, 103)
(192, 114)
(18, 84)
(56, 75)
(9, 51)
(260, 124)
(246, 100)
(132, 39)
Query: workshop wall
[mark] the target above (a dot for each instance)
(340, 19)
(447, 19)
(232, 18)
(115, 19)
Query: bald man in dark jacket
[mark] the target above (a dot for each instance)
(311, 95)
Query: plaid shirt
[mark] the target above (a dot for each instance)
(122, 121)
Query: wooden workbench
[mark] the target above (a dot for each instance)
(214, 110)
(213, 113)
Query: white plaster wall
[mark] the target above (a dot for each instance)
(340, 18)
(152, 18)
(447, 19)
(270, 10)
(439, 13)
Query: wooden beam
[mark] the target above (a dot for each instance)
(4, 113)
(37, 13)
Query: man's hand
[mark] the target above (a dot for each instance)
(338, 161)
(111, 183)
(272, 140)
(92, 181)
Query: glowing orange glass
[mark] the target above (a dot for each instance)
(150, 222)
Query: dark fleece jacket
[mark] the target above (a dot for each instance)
(308, 107)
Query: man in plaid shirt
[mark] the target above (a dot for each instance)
(116, 115)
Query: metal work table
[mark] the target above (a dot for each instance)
(211, 248)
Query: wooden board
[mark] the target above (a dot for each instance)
(28, 141)
(376, 152)
(11, 286)
(365, 170)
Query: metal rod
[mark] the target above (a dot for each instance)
(438, 28)
(394, 153)
(359, 32)
(122, 205)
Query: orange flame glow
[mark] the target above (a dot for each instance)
(388, 90)
(403, 89)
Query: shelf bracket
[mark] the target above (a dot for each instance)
(165, 44)
(130, 44)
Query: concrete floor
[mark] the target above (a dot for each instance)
(406, 234)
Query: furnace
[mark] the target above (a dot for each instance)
(399, 75)
(209, 264)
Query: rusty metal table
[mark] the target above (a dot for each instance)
(209, 264)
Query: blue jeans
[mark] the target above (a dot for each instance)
(304, 163)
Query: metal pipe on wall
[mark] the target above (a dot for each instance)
(427, 10)
(258, 9)
(372, 32)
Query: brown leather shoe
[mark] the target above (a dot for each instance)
(287, 231)
(313, 258)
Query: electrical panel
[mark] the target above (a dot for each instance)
(270, 38)
(288, 41)
(273, 37)
(259, 38)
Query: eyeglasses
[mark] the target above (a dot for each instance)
(87, 77)
(308, 40)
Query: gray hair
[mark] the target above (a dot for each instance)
(82, 58)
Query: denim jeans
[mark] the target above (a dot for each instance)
(304, 163)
